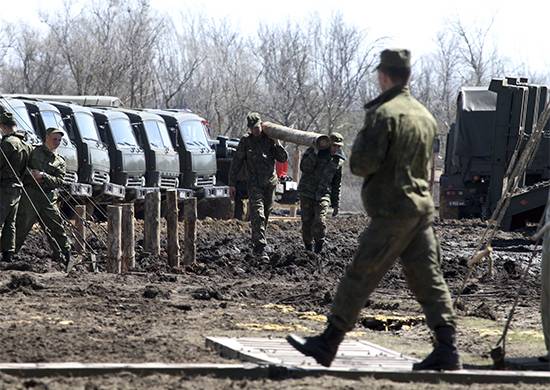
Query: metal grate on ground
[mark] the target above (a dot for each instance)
(353, 355)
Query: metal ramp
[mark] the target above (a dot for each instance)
(353, 355)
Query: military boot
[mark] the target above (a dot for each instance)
(308, 246)
(322, 348)
(445, 355)
(7, 257)
(68, 262)
(318, 248)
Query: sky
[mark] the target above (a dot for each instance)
(520, 28)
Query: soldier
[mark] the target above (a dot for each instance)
(45, 175)
(392, 153)
(320, 186)
(14, 156)
(258, 153)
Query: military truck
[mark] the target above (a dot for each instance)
(127, 158)
(492, 126)
(162, 162)
(197, 160)
(93, 156)
(44, 115)
(19, 111)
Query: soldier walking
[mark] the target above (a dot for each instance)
(14, 156)
(319, 187)
(392, 153)
(258, 153)
(43, 179)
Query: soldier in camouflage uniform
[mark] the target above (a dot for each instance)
(319, 187)
(392, 152)
(14, 156)
(45, 175)
(258, 153)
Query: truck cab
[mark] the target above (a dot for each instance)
(198, 167)
(44, 115)
(162, 162)
(22, 118)
(93, 156)
(127, 158)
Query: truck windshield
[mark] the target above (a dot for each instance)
(86, 126)
(53, 119)
(122, 132)
(193, 134)
(164, 134)
(154, 134)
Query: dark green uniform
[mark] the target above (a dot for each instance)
(258, 154)
(319, 187)
(53, 167)
(13, 162)
(392, 153)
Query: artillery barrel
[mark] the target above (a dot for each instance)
(299, 137)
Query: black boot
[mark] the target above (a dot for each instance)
(318, 247)
(7, 257)
(322, 348)
(308, 246)
(445, 356)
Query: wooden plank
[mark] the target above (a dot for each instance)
(114, 257)
(190, 226)
(151, 231)
(128, 238)
(172, 229)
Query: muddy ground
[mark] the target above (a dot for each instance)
(159, 314)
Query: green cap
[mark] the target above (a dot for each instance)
(253, 119)
(6, 118)
(395, 58)
(54, 130)
(336, 139)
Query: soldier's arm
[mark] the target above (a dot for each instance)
(55, 178)
(237, 162)
(279, 152)
(335, 188)
(6, 155)
(370, 146)
(307, 164)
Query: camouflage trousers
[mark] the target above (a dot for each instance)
(49, 214)
(241, 194)
(313, 219)
(382, 242)
(260, 203)
(9, 203)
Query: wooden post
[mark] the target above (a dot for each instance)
(128, 238)
(151, 231)
(114, 215)
(80, 225)
(190, 218)
(172, 231)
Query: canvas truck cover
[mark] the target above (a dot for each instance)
(473, 131)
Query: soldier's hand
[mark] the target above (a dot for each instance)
(38, 176)
(335, 211)
(232, 192)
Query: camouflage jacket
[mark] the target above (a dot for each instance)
(392, 152)
(258, 154)
(16, 151)
(52, 165)
(321, 176)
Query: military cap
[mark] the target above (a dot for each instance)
(336, 139)
(54, 130)
(6, 118)
(395, 58)
(253, 119)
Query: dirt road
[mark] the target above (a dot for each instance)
(157, 314)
